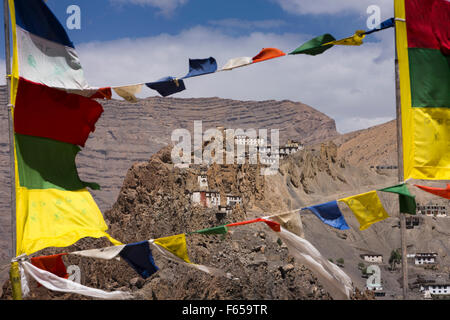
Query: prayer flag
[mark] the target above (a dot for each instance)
(275, 226)
(237, 63)
(389, 23)
(354, 40)
(175, 245)
(315, 46)
(53, 264)
(268, 53)
(423, 50)
(367, 208)
(129, 92)
(55, 283)
(444, 193)
(167, 86)
(198, 67)
(35, 27)
(406, 199)
(46, 112)
(140, 258)
(290, 221)
(330, 214)
(216, 230)
(334, 279)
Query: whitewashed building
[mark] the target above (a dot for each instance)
(425, 258)
(206, 199)
(372, 257)
(233, 200)
(226, 209)
(203, 181)
(432, 209)
(435, 289)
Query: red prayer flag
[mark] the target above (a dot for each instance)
(46, 112)
(430, 24)
(53, 264)
(444, 193)
(275, 226)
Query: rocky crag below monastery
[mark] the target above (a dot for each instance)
(128, 133)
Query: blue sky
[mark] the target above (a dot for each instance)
(130, 41)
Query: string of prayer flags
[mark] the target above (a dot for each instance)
(389, 23)
(53, 264)
(330, 214)
(267, 54)
(167, 86)
(139, 257)
(198, 67)
(176, 245)
(315, 46)
(367, 208)
(423, 50)
(53, 113)
(354, 40)
(406, 199)
(237, 63)
(444, 193)
(129, 92)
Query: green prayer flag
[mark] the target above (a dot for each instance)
(315, 46)
(406, 199)
(48, 164)
(216, 230)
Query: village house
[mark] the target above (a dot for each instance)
(245, 140)
(232, 200)
(225, 209)
(372, 257)
(425, 258)
(203, 182)
(207, 199)
(432, 209)
(435, 289)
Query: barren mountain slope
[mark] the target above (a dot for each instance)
(370, 147)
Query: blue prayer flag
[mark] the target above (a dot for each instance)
(198, 67)
(139, 257)
(330, 214)
(389, 23)
(167, 86)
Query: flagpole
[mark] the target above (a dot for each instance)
(14, 271)
(400, 170)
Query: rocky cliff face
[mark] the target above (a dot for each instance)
(129, 133)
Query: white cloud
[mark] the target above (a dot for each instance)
(166, 6)
(346, 83)
(335, 6)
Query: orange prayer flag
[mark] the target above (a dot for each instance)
(268, 53)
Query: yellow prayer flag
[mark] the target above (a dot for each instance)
(176, 245)
(354, 40)
(367, 208)
(129, 92)
(56, 218)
